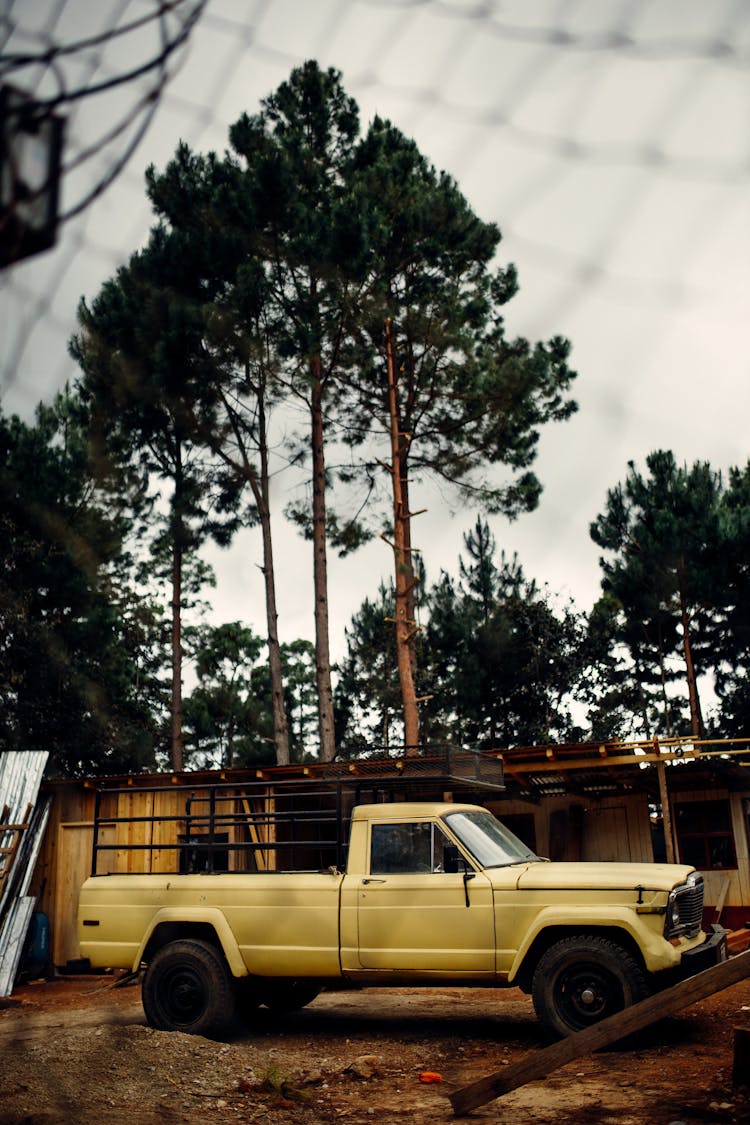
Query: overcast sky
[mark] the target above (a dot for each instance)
(609, 139)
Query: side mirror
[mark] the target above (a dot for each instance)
(453, 862)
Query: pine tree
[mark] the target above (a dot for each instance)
(293, 155)
(228, 714)
(731, 651)
(665, 541)
(368, 694)
(431, 366)
(79, 655)
(140, 348)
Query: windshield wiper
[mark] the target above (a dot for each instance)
(511, 863)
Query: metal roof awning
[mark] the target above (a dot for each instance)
(599, 769)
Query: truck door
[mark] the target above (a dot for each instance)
(412, 913)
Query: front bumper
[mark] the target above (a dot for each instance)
(711, 952)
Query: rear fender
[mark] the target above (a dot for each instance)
(186, 918)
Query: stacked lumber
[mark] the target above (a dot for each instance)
(22, 822)
(739, 940)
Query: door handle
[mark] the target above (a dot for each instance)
(366, 881)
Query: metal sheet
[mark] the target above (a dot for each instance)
(12, 939)
(20, 777)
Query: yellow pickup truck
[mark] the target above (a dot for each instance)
(431, 893)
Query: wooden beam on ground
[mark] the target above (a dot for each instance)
(662, 1004)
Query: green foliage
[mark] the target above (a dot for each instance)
(368, 696)
(271, 273)
(300, 697)
(503, 659)
(227, 716)
(146, 381)
(144, 364)
(732, 638)
(267, 281)
(667, 569)
(469, 398)
(79, 666)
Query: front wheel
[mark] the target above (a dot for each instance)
(580, 981)
(187, 987)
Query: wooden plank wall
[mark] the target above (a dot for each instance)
(609, 828)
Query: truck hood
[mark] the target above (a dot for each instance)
(594, 876)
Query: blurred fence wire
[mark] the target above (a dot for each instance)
(578, 108)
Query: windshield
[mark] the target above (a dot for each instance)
(489, 841)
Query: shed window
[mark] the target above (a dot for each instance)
(704, 835)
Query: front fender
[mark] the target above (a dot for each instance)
(189, 917)
(645, 931)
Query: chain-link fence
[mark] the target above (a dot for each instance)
(608, 138)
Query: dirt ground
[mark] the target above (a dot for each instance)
(79, 1051)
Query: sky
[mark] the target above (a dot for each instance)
(608, 139)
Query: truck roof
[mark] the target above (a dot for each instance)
(408, 809)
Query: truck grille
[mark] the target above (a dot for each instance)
(689, 901)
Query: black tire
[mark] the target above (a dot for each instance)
(582, 980)
(188, 987)
(288, 995)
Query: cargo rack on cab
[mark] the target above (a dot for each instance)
(448, 767)
(264, 820)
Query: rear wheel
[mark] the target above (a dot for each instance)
(188, 987)
(580, 981)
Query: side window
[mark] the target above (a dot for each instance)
(404, 849)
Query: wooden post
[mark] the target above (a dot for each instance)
(666, 812)
(741, 1066)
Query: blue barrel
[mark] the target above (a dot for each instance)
(36, 950)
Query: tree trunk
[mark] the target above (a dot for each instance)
(696, 719)
(320, 571)
(177, 745)
(262, 499)
(177, 753)
(410, 600)
(404, 625)
(642, 702)
(280, 721)
(664, 697)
